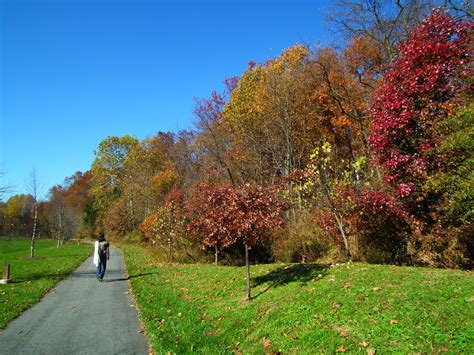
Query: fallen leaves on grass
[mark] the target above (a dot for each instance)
(343, 331)
(341, 349)
(318, 319)
(393, 321)
(266, 343)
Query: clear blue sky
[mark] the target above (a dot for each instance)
(76, 71)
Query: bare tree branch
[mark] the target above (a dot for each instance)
(384, 21)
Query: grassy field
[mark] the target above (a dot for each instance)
(32, 278)
(303, 308)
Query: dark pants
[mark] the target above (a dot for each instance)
(101, 268)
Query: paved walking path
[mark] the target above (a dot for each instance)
(80, 316)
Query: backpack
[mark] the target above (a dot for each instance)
(103, 246)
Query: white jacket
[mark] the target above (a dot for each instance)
(95, 259)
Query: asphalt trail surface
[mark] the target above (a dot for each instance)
(80, 316)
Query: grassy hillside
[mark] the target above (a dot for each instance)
(303, 308)
(32, 278)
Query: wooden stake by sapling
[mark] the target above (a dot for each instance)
(6, 274)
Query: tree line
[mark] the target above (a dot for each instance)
(362, 152)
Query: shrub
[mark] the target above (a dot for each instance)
(166, 229)
(302, 241)
(380, 225)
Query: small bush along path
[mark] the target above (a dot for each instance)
(32, 278)
(302, 308)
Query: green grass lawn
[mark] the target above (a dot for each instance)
(303, 308)
(32, 278)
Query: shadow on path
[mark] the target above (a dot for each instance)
(84, 274)
(38, 276)
(129, 277)
(294, 273)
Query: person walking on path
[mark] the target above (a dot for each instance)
(101, 255)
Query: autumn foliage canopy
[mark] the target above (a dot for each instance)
(362, 153)
(414, 95)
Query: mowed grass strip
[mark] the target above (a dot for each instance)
(32, 278)
(303, 308)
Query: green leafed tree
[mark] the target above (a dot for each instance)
(108, 170)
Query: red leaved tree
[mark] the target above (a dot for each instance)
(416, 93)
(223, 216)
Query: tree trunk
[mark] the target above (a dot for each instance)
(247, 271)
(60, 226)
(343, 234)
(132, 215)
(169, 250)
(379, 174)
(340, 225)
(32, 246)
(303, 252)
(216, 254)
